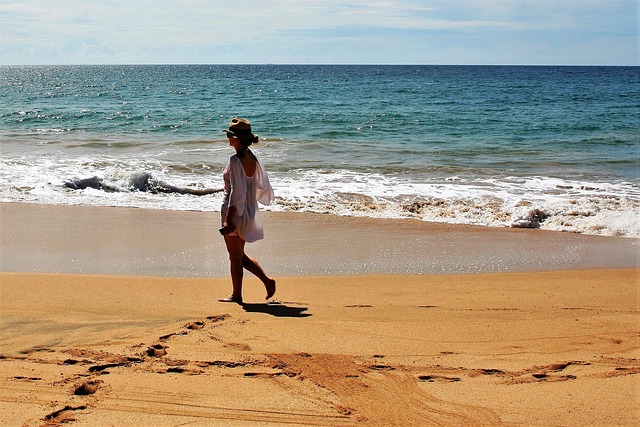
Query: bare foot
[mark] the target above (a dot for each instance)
(271, 288)
(237, 300)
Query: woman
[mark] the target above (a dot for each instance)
(245, 184)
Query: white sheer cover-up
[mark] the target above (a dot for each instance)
(244, 192)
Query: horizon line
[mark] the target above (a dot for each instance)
(314, 64)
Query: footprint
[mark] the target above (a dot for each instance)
(87, 388)
(63, 415)
(194, 326)
(382, 368)
(173, 334)
(438, 378)
(492, 372)
(219, 318)
(553, 378)
(157, 350)
(182, 370)
(100, 368)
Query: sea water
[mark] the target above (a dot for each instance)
(498, 146)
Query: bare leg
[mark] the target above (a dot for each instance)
(252, 265)
(235, 247)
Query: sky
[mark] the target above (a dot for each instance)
(497, 32)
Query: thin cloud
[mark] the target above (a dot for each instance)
(150, 31)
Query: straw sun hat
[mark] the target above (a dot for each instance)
(241, 129)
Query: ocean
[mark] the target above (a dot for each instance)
(556, 148)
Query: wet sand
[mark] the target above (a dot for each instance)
(122, 241)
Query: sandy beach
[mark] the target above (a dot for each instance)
(109, 317)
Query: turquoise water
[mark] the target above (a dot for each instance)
(555, 147)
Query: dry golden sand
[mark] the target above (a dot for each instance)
(507, 349)
(555, 348)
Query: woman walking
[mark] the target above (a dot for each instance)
(245, 184)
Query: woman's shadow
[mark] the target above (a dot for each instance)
(277, 309)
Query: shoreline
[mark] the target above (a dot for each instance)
(133, 241)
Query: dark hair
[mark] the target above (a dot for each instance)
(248, 140)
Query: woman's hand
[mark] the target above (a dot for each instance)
(227, 228)
(227, 224)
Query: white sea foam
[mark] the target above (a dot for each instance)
(583, 207)
(549, 203)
